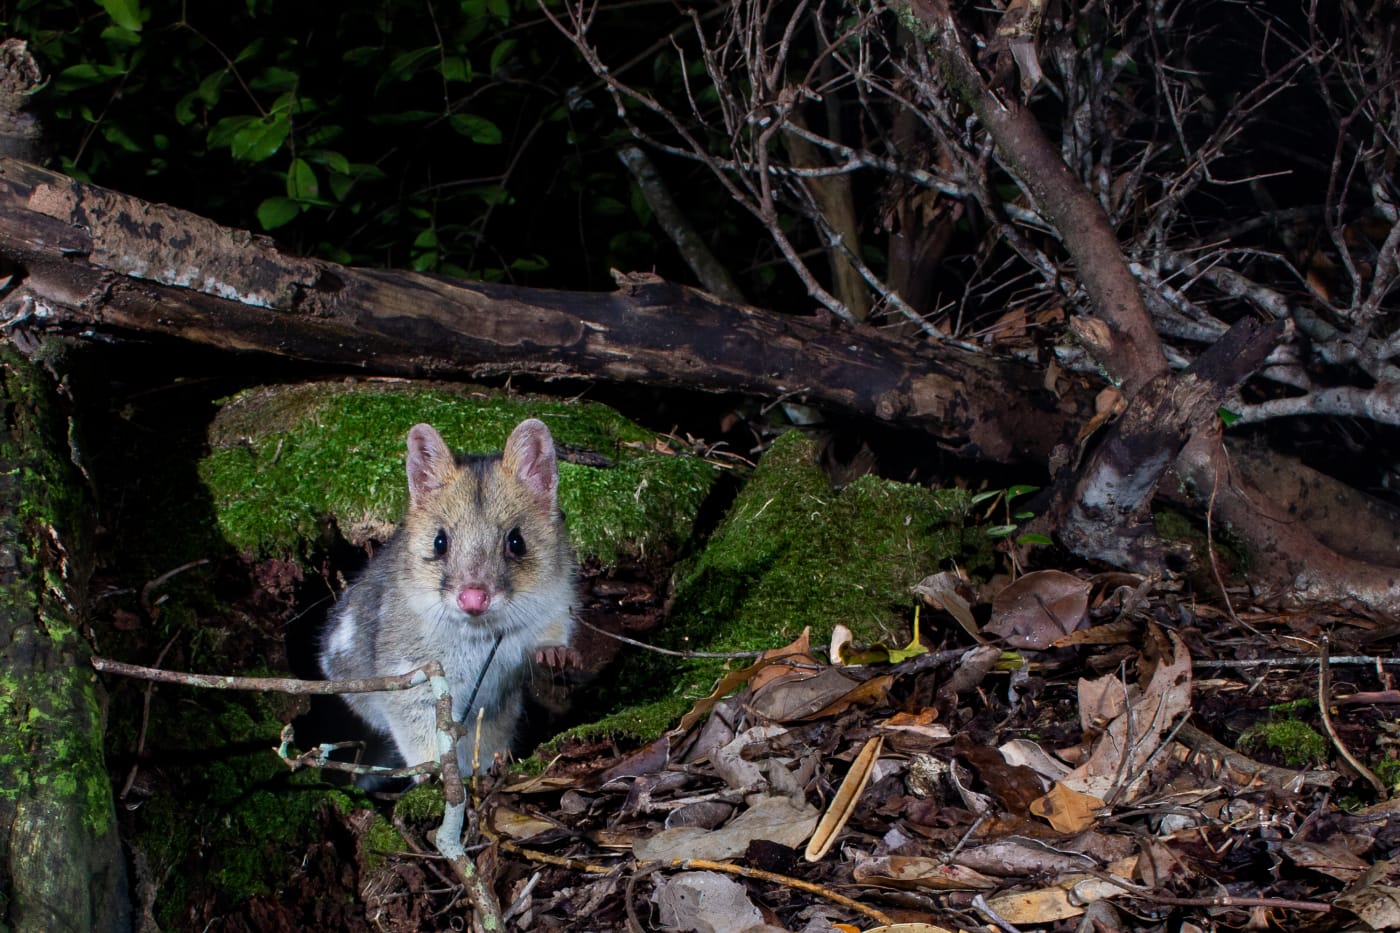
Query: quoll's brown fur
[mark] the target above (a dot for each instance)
(481, 555)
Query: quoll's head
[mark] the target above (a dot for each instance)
(483, 530)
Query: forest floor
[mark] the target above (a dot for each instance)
(1118, 757)
(1074, 751)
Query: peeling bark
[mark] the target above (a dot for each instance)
(1107, 515)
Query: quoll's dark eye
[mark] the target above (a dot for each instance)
(515, 543)
(440, 543)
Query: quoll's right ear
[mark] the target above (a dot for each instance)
(430, 463)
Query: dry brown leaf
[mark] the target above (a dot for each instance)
(800, 650)
(1101, 701)
(1040, 608)
(920, 724)
(518, 826)
(844, 803)
(1016, 856)
(1107, 405)
(776, 819)
(904, 871)
(1330, 858)
(1028, 754)
(1066, 898)
(1139, 729)
(731, 681)
(1373, 898)
(945, 591)
(1067, 810)
(1121, 632)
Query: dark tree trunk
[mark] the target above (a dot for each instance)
(61, 865)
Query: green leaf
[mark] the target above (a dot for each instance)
(251, 50)
(341, 185)
(1034, 537)
(456, 68)
(407, 64)
(117, 35)
(1014, 491)
(477, 129)
(330, 159)
(261, 139)
(276, 212)
(608, 207)
(275, 79)
(427, 239)
(301, 181)
(1227, 416)
(1000, 531)
(117, 136)
(985, 495)
(535, 263)
(125, 13)
(500, 53)
(222, 133)
(499, 9)
(85, 74)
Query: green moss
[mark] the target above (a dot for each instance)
(50, 718)
(381, 840)
(232, 820)
(639, 723)
(1389, 772)
(1296, 743)
(285, 460)
(422, 803)
(793, 552)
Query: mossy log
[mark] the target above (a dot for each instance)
(96, 260)
(61, 866)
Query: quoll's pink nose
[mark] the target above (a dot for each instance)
(474, 601)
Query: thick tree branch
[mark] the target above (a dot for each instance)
(1128, 350)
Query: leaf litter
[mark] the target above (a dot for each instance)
(1064, 771)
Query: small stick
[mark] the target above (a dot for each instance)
(1324, 700)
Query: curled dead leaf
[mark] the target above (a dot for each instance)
(844, 803)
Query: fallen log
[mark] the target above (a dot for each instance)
(95, 260)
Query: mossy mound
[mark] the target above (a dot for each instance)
(283, 461)
(793, 552)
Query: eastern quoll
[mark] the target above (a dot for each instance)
(479, 576)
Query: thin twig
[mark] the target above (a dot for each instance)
(1324, 704)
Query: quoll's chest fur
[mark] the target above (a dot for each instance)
(479, 576)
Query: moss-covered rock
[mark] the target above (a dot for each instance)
(793, 553)
(285, 460)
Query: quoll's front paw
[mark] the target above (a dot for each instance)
(559, 657)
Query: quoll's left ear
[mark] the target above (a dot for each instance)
(529, 456)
